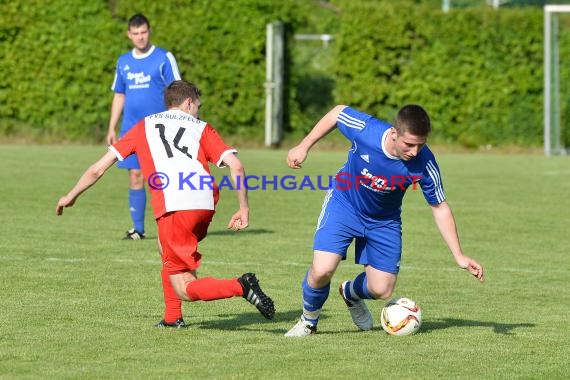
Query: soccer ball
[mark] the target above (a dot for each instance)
(401, 316)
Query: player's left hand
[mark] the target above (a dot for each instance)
(64, 201)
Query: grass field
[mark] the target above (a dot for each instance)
(78, 302)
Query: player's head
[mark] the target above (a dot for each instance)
(138, 20)
(410, 131)
(182, 94)
(413, 119)
(139, 32)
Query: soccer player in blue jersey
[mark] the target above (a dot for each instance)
(141, 75)
(364, 205)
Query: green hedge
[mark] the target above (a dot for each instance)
(56, 67)
(477, 70)
(59, 60)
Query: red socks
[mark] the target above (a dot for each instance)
(202, 289)
(209, 289)
(173, 304)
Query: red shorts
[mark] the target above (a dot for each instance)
(178, 234)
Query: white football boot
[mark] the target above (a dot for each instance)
(358, 311)
(302, 329)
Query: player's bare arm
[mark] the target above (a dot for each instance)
(88, 179)
(116, 109)
(298, 154)
(239, 220)
(445, 222)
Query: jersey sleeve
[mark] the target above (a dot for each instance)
(214, 147)
(431, 184)
(350, 122)
(118, 84)
(170, 70)
(128, 143)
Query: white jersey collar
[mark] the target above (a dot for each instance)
(142, 56)
(384, 137)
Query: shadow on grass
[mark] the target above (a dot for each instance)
(250, 321)
(253, 321)
(498, 328)
(255, 231)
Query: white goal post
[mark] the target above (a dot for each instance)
(552, 132)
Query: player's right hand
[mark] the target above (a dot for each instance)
(111, 138)
(296, 157)
(64, 201)
(471, 266)
(239, 220)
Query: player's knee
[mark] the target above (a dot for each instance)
(181, 292)
(179, 285)
(380, 291)
(136, 179)
(319, 277)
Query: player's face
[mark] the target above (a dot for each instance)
(140, 37)
(407, 146)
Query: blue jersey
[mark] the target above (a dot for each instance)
(143, 78)
(374, 182)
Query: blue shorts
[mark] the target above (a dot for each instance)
(378, 243)
(131, 162)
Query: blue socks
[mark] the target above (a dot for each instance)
(313, 301)
(357, 289)
(137, 204)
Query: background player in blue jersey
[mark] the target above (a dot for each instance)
(364, 205)
(141, 75)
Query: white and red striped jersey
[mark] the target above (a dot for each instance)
(174, 150)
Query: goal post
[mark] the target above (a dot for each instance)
(275, 51)
(552, 111)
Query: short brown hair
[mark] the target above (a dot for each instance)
(413, 119)
(138, 20)
(178, 91)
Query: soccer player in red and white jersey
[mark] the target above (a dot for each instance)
(175, 148)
